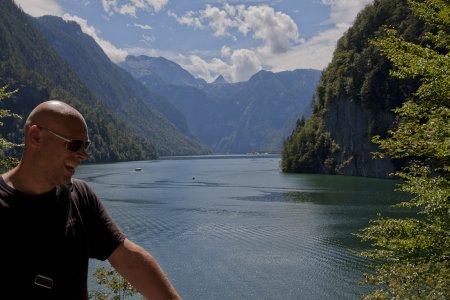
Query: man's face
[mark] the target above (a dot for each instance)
(58, 162)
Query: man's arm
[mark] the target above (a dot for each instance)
(142, 271)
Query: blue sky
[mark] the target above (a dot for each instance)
(209, 38)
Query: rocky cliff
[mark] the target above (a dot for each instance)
(350, 125)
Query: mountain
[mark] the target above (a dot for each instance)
(160, 70)
(261, 112)
(233, 117)
(146, 113)
(220, 80)
(354, 100)
(30, 65)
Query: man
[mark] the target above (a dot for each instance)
(51, 224)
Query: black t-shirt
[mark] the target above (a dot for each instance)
(52, 235)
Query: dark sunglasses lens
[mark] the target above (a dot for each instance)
(75, 145)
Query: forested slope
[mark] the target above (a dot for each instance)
(354, 100)
(144, 112)
(29, 64)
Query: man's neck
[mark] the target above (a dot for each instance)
(18, 179)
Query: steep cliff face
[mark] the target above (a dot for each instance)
(351, 124)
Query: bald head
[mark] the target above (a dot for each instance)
(54, 113)
(58, 117)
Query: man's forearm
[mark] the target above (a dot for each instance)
(142, 271)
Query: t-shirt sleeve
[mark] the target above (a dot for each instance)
(103, 234)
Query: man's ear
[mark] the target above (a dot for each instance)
(34, 136)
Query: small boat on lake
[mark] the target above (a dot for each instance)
(137, 169)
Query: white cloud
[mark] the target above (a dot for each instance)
(281, 47)
(240, 65)
(188, 19)
(145, 27)
(244, 63)
(206, 70)
(225, 51)
(343, 12)
(317, 52)
(109, 5)
(277, 31)
(131, 7)
(314, 53)
(219, 20)
(114, 53)
(37, 8)
(147, 39)
(136, 51)
(127, 9)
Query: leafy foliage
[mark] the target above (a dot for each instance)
(6, 161)
(117, 287)
(309, 148)
(413, 254)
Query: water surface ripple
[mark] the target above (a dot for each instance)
(238, 228)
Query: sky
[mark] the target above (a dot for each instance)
(232, 38)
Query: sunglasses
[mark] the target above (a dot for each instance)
(71, 145)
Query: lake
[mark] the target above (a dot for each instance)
(236, 227)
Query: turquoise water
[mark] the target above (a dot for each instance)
(235, 227)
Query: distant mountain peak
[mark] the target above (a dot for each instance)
(220, 80)
(166, 70)
(152, 59)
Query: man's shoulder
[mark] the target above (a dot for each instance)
(5, 189)
(81, 189)
(79, 183)
(83, 196)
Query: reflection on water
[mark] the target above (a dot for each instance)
(238, 228)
